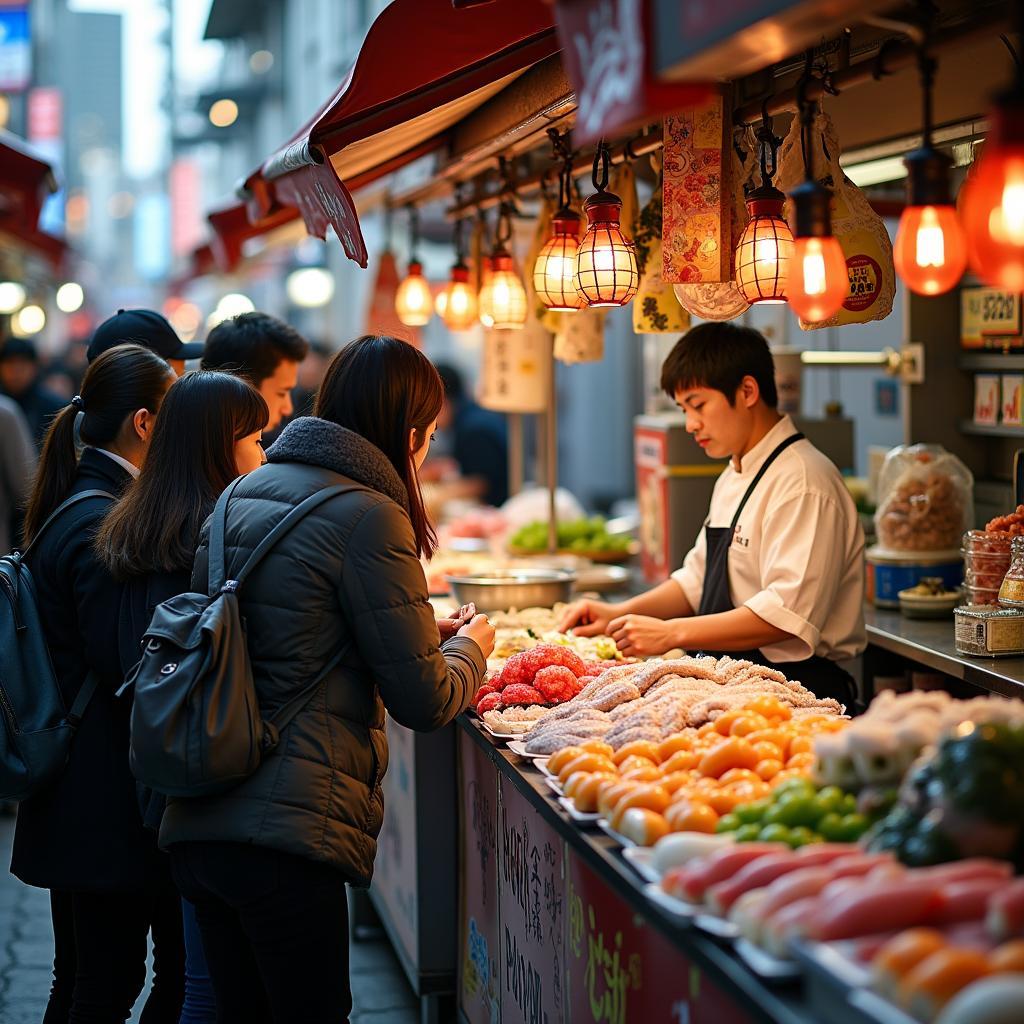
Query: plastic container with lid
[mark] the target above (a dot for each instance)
(889, 572)
(1011, 591)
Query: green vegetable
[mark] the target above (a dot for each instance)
(728, 823)
(831, 827)
(797, 809)
(577, 535)
(749, 833)
(752, 812)
(794, 785)
(830, 799)
(852, 827)
(774, 833)
(802, 836)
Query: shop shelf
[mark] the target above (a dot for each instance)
(999, 430)
(992, 362)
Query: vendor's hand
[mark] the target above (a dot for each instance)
(449, 627)
(586, 618)
(481, 631)
(639, 636)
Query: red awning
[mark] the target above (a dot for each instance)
(232, 228)
(26, 179)
(423, 66)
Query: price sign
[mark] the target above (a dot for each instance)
(989, 315)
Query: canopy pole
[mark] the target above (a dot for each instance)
(515, 453)
(551, 445)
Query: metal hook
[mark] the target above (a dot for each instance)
(602, 163)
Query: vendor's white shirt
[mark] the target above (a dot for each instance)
(796, 558)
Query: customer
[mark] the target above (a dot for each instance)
(17, 464)
(82, 837)
(21, 380)
(207, 434)
(263, 350)
(147, 328)
(267, 862)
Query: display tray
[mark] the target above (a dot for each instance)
(554, 784)
(641, 859)
(584, 819)
(720, 927)
(623, 841)
(878, 1008)
(764, 965)
(678, 909)
(541, 764)
(831, 977)
(518, 747)
(600, 557)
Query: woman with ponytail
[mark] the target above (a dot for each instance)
(83, 838)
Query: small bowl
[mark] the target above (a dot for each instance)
(501, 589)
(930, 606)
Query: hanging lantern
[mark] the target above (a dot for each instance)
(606, 272)
(555, 266)
(485, 297)
(456, 302)
(818, 281)
(414, 303)
(765, 251)
(992, 198)
(930, 251)
(503, 297)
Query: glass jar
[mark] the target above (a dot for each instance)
(986, 561)
(1011, 592)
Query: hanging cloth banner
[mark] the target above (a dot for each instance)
(515, 370)
(656, 309)
(381, 317)
(696, 208)
(580, 338)
(722, 300)
(861, 232)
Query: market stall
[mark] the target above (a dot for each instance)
(558, 918)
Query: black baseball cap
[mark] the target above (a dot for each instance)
(142, 327)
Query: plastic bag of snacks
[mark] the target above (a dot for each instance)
(925, 499)
(860, 230)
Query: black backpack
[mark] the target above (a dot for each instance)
(196, 725)
(35, 727)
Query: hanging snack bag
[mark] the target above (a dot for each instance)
(861, 232)
(580, 337)
(656, 309)
(925, 499)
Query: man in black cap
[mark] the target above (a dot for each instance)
(149, 329)
(21, 380)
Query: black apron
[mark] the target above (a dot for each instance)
(824, 678)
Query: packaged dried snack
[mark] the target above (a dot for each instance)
(925, 499)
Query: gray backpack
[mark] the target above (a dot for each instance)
(196, 726)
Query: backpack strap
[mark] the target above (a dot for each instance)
(284, 526)
(288, 711)
(63, 507)
(216, 554)
(85, 692)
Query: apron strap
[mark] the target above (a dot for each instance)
(792, 439)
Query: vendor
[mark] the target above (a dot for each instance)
(776, 575)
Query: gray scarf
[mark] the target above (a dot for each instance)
(316, 442)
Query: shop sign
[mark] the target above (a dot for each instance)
(531, 900)
(989, 317)
(15, 47)
(395, 883)
(479, 965)
(622, 971)
(606, 50)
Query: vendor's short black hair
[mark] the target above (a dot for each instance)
(253, 345)
(719, 356)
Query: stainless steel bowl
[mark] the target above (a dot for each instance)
(501, 589)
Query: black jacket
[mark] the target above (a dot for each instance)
(84, 833)
(346, 577)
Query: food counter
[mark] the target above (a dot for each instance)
(930, 643)
(554, 924)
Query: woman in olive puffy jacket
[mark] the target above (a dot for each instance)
(266, 863)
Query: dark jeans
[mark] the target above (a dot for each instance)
(275, 932)
(200, 1005)
(100, 956)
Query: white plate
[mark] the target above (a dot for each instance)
(719, 926)
(641, 859)
(580, 817)
(542, 766)
(602, 824)
(553, 783)
(872, 1005)
(679, 909)
(764, 964)
(837, 959)
(518, 747)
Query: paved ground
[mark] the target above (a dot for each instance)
(380, 992)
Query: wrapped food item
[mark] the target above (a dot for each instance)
(656, 309)
(861, 232)
(925, 499)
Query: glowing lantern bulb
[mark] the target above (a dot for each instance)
(456, 303)
(555, 266)
(765, 250)
(818, 281)
(413, 302)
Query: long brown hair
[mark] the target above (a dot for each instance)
(191, 460)
(382, 388)
(117, 384)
